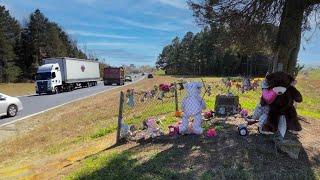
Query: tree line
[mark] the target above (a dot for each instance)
(247, 19)
(22, 47)
(212, 52)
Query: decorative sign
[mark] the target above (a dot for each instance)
(83, 68)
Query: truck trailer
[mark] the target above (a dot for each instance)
(113, 75)
(65, 74)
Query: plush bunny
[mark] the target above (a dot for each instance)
(192, 106)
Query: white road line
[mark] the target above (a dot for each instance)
(26, 95)
(14, 121)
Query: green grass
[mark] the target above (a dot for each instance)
(104, 131)
(160, 72)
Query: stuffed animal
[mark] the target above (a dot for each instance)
(153, 128)
(282, 110)
(126, 131)
(192, 106)
(262, 109)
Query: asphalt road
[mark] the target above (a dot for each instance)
(34, 104)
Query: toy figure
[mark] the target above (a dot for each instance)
(129, 95)
(153, 128)
(192, 106)
(127, 130)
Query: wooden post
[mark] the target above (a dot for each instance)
(176, 97)
(120, 116)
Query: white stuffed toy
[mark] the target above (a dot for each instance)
(192, 106)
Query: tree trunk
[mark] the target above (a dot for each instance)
(289, 36)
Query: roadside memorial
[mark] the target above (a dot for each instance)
(190, 118)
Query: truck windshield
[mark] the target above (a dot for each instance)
(43, 76)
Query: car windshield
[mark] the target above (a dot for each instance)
(43, 76)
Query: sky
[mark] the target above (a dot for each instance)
(128, 31)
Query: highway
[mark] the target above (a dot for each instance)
(35, 104)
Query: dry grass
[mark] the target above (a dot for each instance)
(17, 89)
(65, 127)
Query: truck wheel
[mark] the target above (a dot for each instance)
(56, 90)
(12, 110)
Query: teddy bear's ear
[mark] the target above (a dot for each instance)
(269, 76)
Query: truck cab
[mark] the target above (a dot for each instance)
(48, 79)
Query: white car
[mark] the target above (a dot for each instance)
(9, 106)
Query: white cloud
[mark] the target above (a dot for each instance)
(180, 4)
(85, 33)
(108, 44)
(161, 27)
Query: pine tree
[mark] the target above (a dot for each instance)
(9, 35)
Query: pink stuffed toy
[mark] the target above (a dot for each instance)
(208, 114)
(269, 95)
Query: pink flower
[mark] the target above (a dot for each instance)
(211, 132)
(244, 113)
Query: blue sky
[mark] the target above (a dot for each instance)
(127, 31)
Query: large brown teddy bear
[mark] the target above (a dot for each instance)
(284, 103)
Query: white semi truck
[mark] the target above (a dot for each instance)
(65, 74)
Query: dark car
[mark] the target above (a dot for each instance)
(128, 79)
(150, 76)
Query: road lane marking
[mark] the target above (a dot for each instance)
(31, 115)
